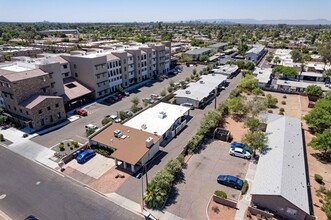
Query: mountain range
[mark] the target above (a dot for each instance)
(272, 22)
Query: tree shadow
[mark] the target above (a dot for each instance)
(324, 158)
(173, 194)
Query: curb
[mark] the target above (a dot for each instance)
(4, 216)
(207, 207)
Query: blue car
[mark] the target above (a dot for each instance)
(231, 181)
(85, 156)
(242, 146)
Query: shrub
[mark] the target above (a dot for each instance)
(61, 146)
(75, 144)
(221, 194)
(102, 150)
(248, 214)
(257, 91)
(163, 93)
(282, 110)
(244, 188)
(270, 111)
(318, 178)
(235, 93)
(215, 209)
(259, 217)
(284, 96)
(170, 89)
(25, 135)
(90, 131)
(2, 138)
(283, 103)
(322, 190)
(181, 159)
(281, 113)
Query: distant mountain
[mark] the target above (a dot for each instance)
(254, 21)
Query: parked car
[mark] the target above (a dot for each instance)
(90, 126)
(163, 77)
(155, 96)
(116, 98)
(81, 112)
(239, 152)
(85, 156)
(172, 73)
(114, 118)
(148, 100)
(242, 146)
(187, 104)
(126, 93)
(118, 95)
(230, 181)
(128, 113)
(110, 100)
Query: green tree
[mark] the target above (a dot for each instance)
(135, 100)
(270, 101)
(314, 90)
(257, 140)
(325, 51)
(277, 60)
(154, 197)
(204, 58)
(6, 36)
(242, 48)
(296, 56)
(173, 167)
(285, 71)
(250, 66)
(209, 122)
(322, 142)
(237, 106)
(248, 83)
(319, 118)
(253, 124)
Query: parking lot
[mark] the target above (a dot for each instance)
(200, 180)
(97, 111)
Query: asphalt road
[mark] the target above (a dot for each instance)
(97, 111)
(27, 188)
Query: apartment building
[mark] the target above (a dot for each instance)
(34, 108)
(120, 66)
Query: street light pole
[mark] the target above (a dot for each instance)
(140, 175)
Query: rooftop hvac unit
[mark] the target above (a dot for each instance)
(162, 115)
(149, 142)
(202, 82)
(187, 92)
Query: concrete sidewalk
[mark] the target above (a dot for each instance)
(28, 149)
(136, 208)
(246, 200)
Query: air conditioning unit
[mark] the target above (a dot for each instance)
(187, 92)
(202, 82)
(149, 142)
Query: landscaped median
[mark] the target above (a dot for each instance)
(220, 207)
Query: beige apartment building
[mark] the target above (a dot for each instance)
(37, 92)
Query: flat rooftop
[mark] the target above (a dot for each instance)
(131, 147)
(202, 88)
(263, 74)
(150, 120)
(16, 68)
(301, 84)
(198, 51)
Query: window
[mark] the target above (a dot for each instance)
(124, 61)
(49, 108)
(15, 108)
(21, 110)
(11, 96)
(56, 105)
(51, 118)
(66, 74)
(27, 113)
(124, 69)
(9, 106)
(50, 75)
(42, 122)
(76, 74)
(65, 66)
(75, 66)
(44, 90)
(40, 111)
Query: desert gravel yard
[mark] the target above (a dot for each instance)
(192, 194)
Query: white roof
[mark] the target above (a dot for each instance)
(313, 74)
(226, 69)
(263, 74)
(281, 170)
(151, 120)
(15, 67)
(300, 84)
(202, 88)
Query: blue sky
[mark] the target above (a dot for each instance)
(156, 10)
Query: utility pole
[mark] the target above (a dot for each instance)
(215, 98)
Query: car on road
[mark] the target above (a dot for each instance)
(85, 156)
(114, 118)
(239, 152)
(187, 104)
(163, 77)
(242, 146)
(81, 112)
(230, 181)
(156, 96)
(148, 100)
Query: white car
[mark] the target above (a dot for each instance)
(114, 118)
(155, 96)
(90, 126)
(239, 152)
(187, 104)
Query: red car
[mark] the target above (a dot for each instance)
(118, 95)
(81, 112)
(163, 77)
(110, 101)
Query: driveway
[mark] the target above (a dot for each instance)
(191, 195)
(97, 111)
(95, 167)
